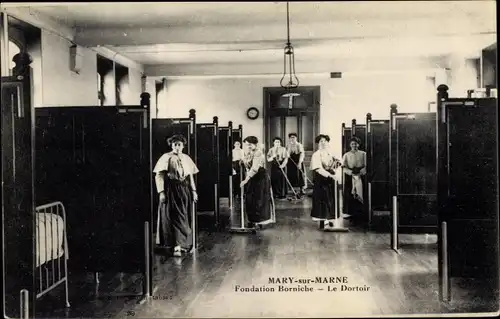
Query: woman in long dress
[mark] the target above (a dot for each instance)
(277, 156)
(258, 201)
(177, 191)
(295, 163)
(354, 166)
(323, 165)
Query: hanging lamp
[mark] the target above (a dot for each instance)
(289, 80)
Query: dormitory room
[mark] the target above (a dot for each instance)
(315, 159)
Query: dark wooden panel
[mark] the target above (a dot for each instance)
(473, 249)
(122, 189)
(225, 154)
(416, 152)
(360, 133)
(17, 193)
(380, 196)
(96, 162)
(237, 136)
(61, 176)
(416, 211)
(377, 147)
(346, 136)
(56, 154)
(468, 189)
(472, 165)
(207, 164)
(379, 157)
(413, 171)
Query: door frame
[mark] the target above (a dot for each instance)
(268, 113)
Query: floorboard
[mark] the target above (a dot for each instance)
(203, 285)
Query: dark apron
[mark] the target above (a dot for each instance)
(323, 197)
(258, 197)
(175, 214)
(294, 174)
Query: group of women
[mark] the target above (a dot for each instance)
(287, 167)
(177, 189)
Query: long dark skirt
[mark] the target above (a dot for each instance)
(323, 197)
(352, 206)
(294, 175)
(278, 182)
(258, 197)
(175, 215)
(236, 179)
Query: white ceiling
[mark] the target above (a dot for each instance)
(182, 36)
(146, 14)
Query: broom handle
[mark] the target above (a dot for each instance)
(242, 216)
(300, 170)
(286, 178)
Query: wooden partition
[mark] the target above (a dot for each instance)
(235, 215)
(468, 191)
(346, 135)
(359, 131)
(18, 207)
(162, 129)
(237, 135)
(413, 173)
(95, 160)
(377, 166)
(208, 177)
(225, 160)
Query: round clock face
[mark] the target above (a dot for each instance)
(252, 113)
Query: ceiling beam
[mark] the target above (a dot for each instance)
(306, 45)
(341, 29)
(324, 75)
(177, 53)
(118, 58)
(310, 67)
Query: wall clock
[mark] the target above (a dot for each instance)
(252, 113)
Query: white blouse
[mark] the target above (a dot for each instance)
(182, 167)
(254, 161)
(280, 153)
(296, 148)
(323, 159)
(354, 159)
(237, 154)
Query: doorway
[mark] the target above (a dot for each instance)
(299, 114)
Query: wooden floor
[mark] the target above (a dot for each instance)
(203, 285)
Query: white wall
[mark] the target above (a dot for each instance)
(341, 99)
(464, 75)
(151, 89)
(61, 86)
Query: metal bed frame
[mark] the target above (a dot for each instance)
(52, 273)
